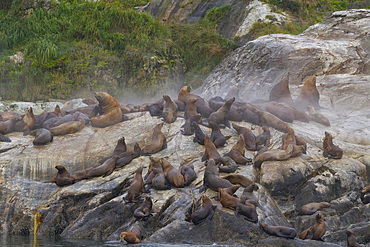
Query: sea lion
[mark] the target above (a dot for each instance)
(351, 240)
(309, 94)
(284, 113)
(249, 137)
(104, 169)
(269, 119)
(199, 135)
(190, 109)
(331, 150)
(188, 126)
(234, 115)
(154, 163)
(216, 136)
(280, 92)
(7, 126)
(317, 117)
(158, 142)
(249, 212)
(169, 111)
(297, 151)
(136, 186)
(264, 138)
(298, 115)
(121, 147)
(173, 175)
(58, 112)
(42, 136)
(238, 179)
(274, 154)
(180, 105)
(206, 211)
(50, 123)
(316, 231)
(9, 115)
(311, 208)
(365, 195)
(4, 138)
(68, 128)
(29, 122)
(40, 119)
(82, 174)
(78, 115)
(187, 171)
(62, 120)
(227, 200)
(237, 152)
(109, 110)
(247, 114)
(126, 157)
(155, 110)
(220, 116)
(63, 177)
(210, 150)
(288, 138)
(247, 194)
(227, 165)
(131, 237)
(280, 231)
(159, 181)
(145, 209)
(202, 106)
(212, 180)
(231, 190)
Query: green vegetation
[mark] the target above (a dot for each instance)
(82, 46)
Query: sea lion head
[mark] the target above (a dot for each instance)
(349, 233)
(319, 218)
(289, 130)
(188, 88)
(154, 163)
(325, 204)
(60, 168)
(167, 98)
(57, 110)
(158, 127)
(193, 100)
(205, 199)
(230, 102)
(197, 118)
(137, 150)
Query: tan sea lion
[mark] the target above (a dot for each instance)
(249, 212)
(190, 109)
(280, 92)
(216, 136)
(4, 138)
(316, 231)
(7, 126)
(42, 136)
(173, 175)
(268, 119)
(121, 147)
(145, 209)
(311, 208)
(227, 200)
(154, 163)
(237, 152)
(29, 121)
(309, 94)
(206, 211)
(158, 142)
(187, 171)
(210, 150)
(109, 110)
(317, 117)
(351, 240)
(211, 178)
(169, 111)
(274, 154)
(68, 128)
(104, 169)
(280, 231)
(136, 186)
(331, 150)
(238, 179)
(63, 177)
(249, 137)
(279, 110)
(264, 138)
(131, 237)
(220, 116)
(202, 106)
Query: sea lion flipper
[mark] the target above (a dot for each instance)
(211, 213)
(203, 188)
(227, 123)
(109, 172)
(237, 212)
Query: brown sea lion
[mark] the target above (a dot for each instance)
(104, 169)
(159, 181)
(311, 208)
(220, 116)
(317, 117)
(249, 212)
(63, 177)
(211, 178)
(274, 154)
(280, 92)
(237, 152)
(9, 115)
(78, 115)
(190, 109)
(131, 237)
(316, 231)
(298, 115)
(7, 126)
(227, 200)
(4, 138)
(309, 94)
(264, 138)
(82, 174)
(202, 106)
(268, 119)
(288, 138)
(279, 110)
(125, 109)
(210, 150)
(227, 165)
(158, 142)
(154, 163)
(365, 195)
(351, 240)
(155, 109)
(109, 111)
(247, 114)
(331, 150)
(121, 147)
(297, 151)
(280, 231)
(206, 211)
(42, 136)
(248, 194)
(234, 115)
(231, 190)
(199, 135)
(238, 179)
(126, 157)
(58, 111)
(216, 136)
(136, 186)
(68, 128)
(187, 171)
(144, 210)
(173, 175)
(27, 123)
(169, 111)
(249, 137)
(50, 123)
(188, 126)
(62, 120)
(180, 105)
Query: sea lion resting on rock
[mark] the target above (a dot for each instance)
(238, 179)
(104, 169)
(136, 186)
(210, 151)
(63, 177)
(169, 111)
(202, 106)
(121, 147)
(248, 194)
(154, 163)
(220, 116)
(173, 176)
(274, 154)
(131, 237)
(264, 138)
(217, 102)
(42, 136)
(82, 174)
(26, 123)
(249, 212)
(4, 138)
(187, 171)
(126, 157)
(351, 240)
(211, 178)
(316, 231)
(227, 165)
(280, 231)
(159, 181)
(68, 128)
(180, 105)
(109, 111)
(237, 152)
(206, 211)
(331, 150)
(158, 142)
(249, 137)
(7, 126)
(317, 117)
(227, 200)
(247, 114)
(188, 126)
(279, 110)
(311, 208)
(190, 109)
(216, 136)
(145, 209)
(199, 135)
(4, 116)
(280, 92)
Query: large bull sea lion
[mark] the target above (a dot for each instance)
(211, 178)
(274, 154)
(158, 141)
(68, 128)
(169, 111)
(237, 152)
(316, 231)
(173, 175)
(309, 94)
(109, 110)
(280, 92)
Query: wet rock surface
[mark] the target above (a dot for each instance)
(96, 208)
